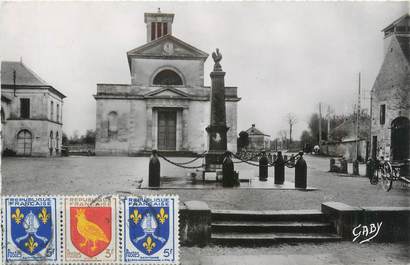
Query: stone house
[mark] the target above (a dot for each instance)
(390, 95)
(166, 106)
(257, 140)
(31, 112)
(342, 142)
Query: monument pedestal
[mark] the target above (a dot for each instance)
(217, 129)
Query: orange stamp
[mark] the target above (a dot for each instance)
(90, 229)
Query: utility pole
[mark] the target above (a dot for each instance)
(328, 122)
(320, 124)
(358, 121)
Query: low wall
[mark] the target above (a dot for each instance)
(346, 149)
(386, 224)
(194, 223)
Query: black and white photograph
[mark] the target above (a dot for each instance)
(280, 128)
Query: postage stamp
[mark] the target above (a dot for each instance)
(31, 230)
(90, 229)
(150, 231)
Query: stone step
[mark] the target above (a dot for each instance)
(252, 239)
(266, 216)
(278, 226)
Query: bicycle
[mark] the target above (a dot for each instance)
(385, 174)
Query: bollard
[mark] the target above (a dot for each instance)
(154, 171)
(279, 169)
(301, 173)
(332, 165)
(263, 167)
(370, 168)
(228, 173)
(356, 168)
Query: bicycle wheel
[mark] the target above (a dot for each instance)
(386, 176)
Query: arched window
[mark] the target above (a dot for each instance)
(50, 142)
(167, 77)
(24, 140)
(112, 124)
(57, 140)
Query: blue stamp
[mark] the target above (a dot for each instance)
(150, 230)
(30, 229)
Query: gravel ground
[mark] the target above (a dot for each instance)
(85, 175)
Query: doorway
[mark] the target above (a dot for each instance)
(24, 143)
(400, 134)
(167, 128)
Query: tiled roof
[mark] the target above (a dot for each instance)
(405, 46)
(24, 76)
(253, 131)
(405, 16)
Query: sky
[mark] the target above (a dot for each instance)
(284, 57)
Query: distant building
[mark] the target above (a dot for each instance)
(342, 141)
(390, 124)
(166, 106)
(31, 112)
(257, 140)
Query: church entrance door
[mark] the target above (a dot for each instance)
(167, 128)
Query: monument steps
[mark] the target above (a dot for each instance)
(270, 238)
(262, 227)
(238, 227)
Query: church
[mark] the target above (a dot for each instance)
(167, 106)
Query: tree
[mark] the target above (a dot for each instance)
(291, 119)
(283, 135)
(306, 141)
(314, 127)
(243, 140)
(64, 139)
(89, 137)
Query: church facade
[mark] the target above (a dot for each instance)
(166, 107)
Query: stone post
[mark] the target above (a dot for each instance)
(217, 130)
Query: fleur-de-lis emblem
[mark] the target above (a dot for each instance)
(31, 244)
(44, 215)
(162, 216)
(149, 244)
(17, 216)
(135, 216)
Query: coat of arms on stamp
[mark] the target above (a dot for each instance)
(90, 229)
(150, 230)
(30, 232)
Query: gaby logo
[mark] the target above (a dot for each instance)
(366, 233)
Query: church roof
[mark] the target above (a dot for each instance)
(155, 49)
(253, 131)
(397, 21)
(404, 43)
(24, 76)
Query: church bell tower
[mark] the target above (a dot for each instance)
(158, 24)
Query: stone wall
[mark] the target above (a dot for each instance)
(137, 125)
(40, 123)
(40, 131)
(345, 149)
(392, 88)
(144, 70)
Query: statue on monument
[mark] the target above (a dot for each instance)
(217, 56)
